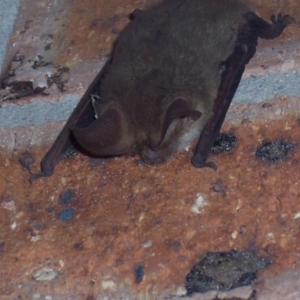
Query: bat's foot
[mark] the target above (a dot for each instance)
(265, 30)
(282, 21)
(199, 162)
(47, 170)
(36, 176)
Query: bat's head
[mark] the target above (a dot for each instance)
(116, 132)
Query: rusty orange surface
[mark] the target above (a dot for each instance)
(128, 214)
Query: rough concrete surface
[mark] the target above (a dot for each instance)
(81, 233)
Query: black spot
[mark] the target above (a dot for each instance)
(224, 142)
(157, 222)
(57, 78)
(66, 215)
(26, 160)
(139, 273)
(176, 245)
(273, 151)
(224, 271)
(50, 209)
(30, 207)
(78, 246)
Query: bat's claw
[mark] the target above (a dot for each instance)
(265, 30)
(199, 162)
(47, 170)
(36, 176)
(282, 21)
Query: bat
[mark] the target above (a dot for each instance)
(170, 79)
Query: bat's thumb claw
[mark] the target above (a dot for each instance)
(284, 20)
(212, 165)
(36, 176)
(273, 19)
(199, 161)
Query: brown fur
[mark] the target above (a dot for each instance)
(171, 51)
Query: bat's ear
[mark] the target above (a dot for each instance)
(104, 136)
(178, 109)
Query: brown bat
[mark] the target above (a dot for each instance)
(170, 79)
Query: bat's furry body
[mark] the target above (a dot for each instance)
(172, 76)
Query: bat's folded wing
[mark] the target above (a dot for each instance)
(82, 116)
(233, 69)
